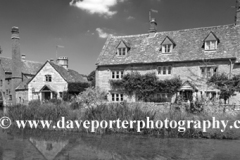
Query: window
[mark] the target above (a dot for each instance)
(122, 51)
(117, 97)
(48, 78)
(167, 48)
(208, 72)
(165, 70)
(211, 45)
(10, 97)
(117, 74)
(61, 94)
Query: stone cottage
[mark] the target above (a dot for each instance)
(22, 80)
(191, 54)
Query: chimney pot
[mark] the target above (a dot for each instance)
(153, 26)
(15, 33)
(23, 57)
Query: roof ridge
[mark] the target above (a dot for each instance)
(188, 29)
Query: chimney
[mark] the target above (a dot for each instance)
(23, 57)
(63, 61)
(16, 62)
(153, 26)
(237, 17)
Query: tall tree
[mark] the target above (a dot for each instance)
(91, 78)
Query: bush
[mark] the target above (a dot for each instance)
(34, 103)
(91, 98)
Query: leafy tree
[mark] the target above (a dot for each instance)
(91, 78)
(227, 86)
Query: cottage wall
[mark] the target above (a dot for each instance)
(36, 84)
(22, 97)
(185, 70)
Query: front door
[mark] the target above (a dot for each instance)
(187, 95)
(47, 95)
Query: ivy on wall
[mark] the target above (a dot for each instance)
(145, 86)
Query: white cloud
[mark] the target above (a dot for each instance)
(101, 7)
(101, 33)
(130, 18)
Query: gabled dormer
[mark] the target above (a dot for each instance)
(211, 42)
(167, 45)
(122, 49)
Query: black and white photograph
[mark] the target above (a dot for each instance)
(119, 79)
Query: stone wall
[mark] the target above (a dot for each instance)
(58, 84)
(185, 70)
(22, 97)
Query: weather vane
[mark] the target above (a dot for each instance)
(150, 13)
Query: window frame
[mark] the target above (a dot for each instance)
(167, 48)
(122, 51)
(208, 71)
(48, 78)
(117, 97)
(211, 45)
(164, 70)
(117, 74)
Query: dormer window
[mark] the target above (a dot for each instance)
(211, 42)
(210, 45)
(167, 45)
(167, 48)
(122, 49)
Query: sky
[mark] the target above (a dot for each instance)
(82, 26)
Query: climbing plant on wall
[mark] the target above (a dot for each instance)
(145, 86)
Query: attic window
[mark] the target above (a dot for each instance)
(122, 49)
(211, 42)
(210, 45)
(48, 78)
(167, 48)
(167, 45)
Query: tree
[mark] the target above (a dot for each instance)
(227, 86)
(91, 78)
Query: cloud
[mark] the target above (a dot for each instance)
(130, 18)
(101, 7)
(101, 33)
(105, 32)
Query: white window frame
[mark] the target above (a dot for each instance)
(208, 71)
(122, 51)
(117, 74)
(167, 48)
(211, 45)
(48, 78)
(164, 70)
(117, 97)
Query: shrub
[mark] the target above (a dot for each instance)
(55, 101)
(91, 98)
(34, 103)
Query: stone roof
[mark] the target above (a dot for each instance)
(69, 75)
(189, 46)
(29, 67)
